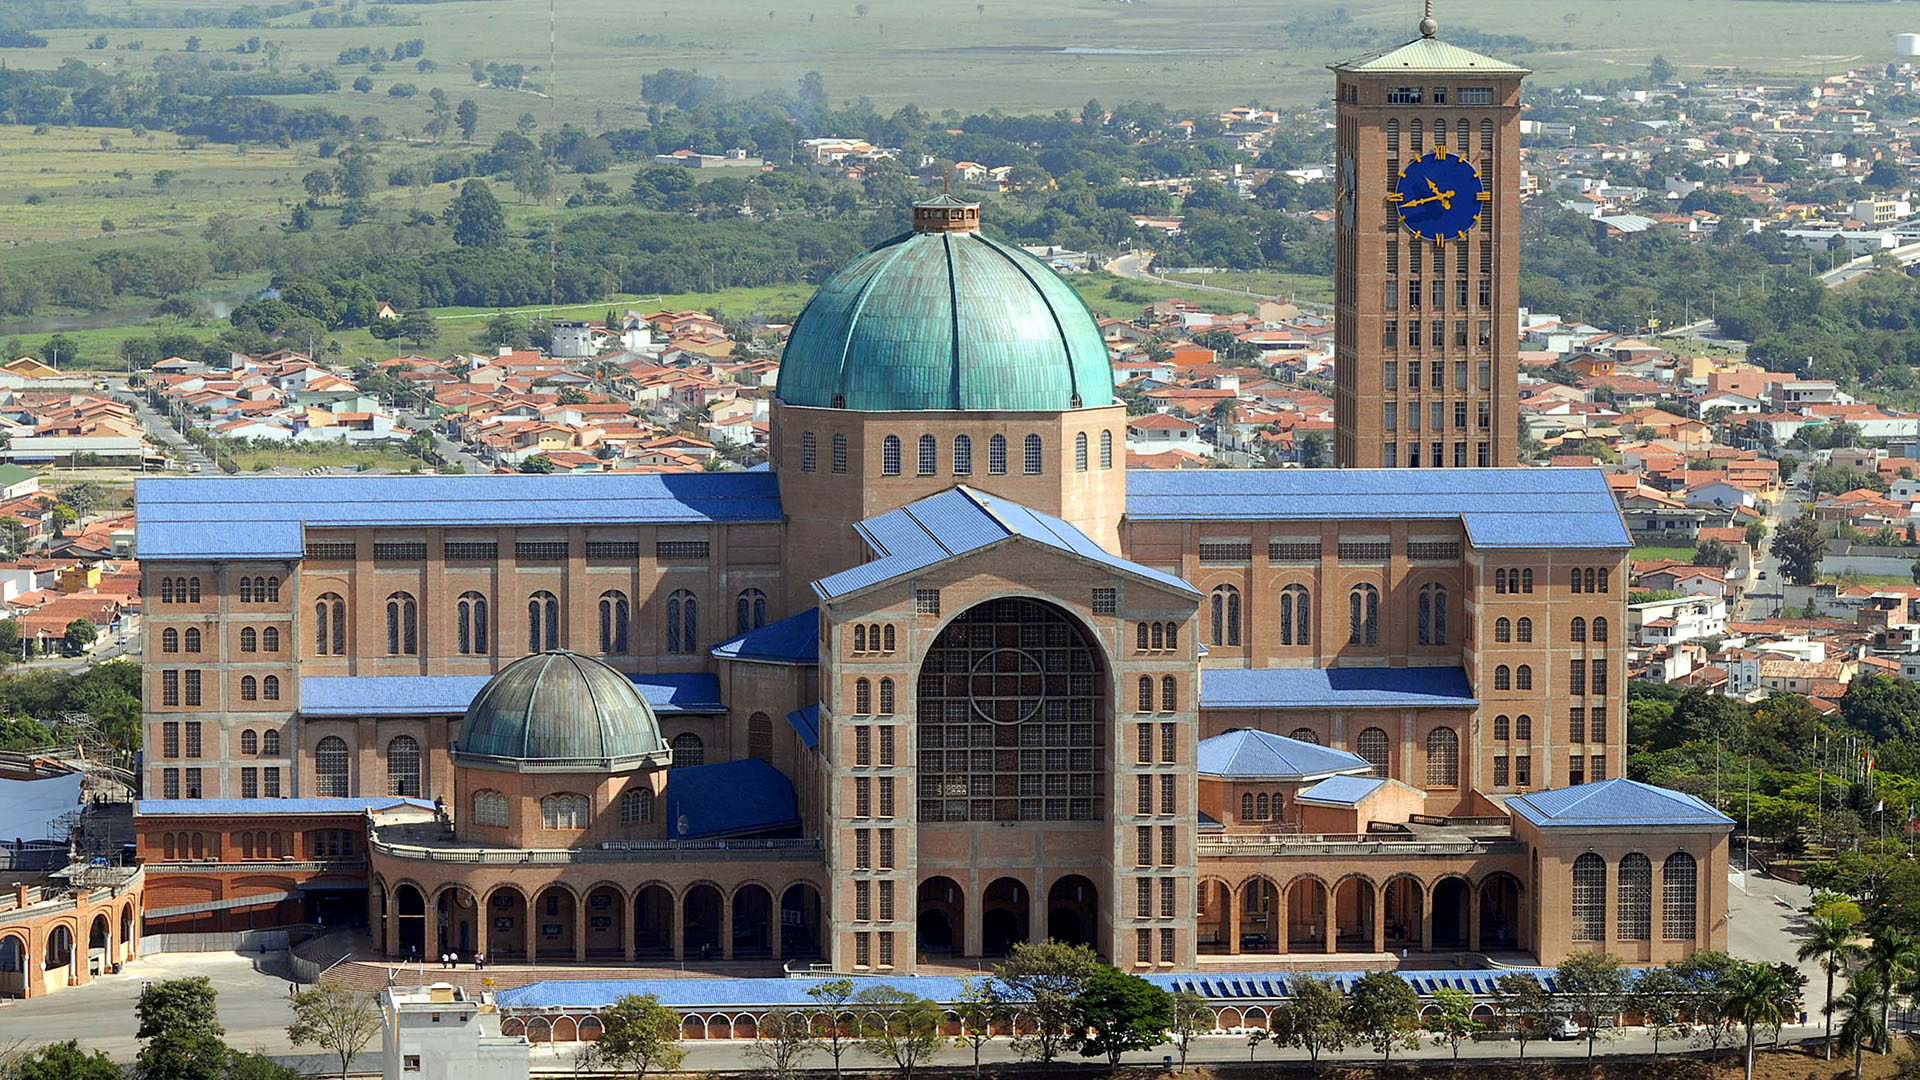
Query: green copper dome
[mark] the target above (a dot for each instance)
(560, 711)
(946, 319)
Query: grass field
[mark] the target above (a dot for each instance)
(309, 456)
(1651, 552)
(1312, 288)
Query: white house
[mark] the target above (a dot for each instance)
(438, 1032)
(1670, 622)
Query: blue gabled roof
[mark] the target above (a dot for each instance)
(962, 520)
(1615, 802)
(446, 695)
(1341, 790)
(793, 640)
(729, 798)
(263, 517)
(1335, 688)
(1262, 755)
(806, 724)
(222, 807)
(1501, 508)
(684, 692)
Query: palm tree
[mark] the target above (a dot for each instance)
(1862, 1006)
(1828, 939)
(1760, 997)
(1894, 957)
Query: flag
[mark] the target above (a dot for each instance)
(1880, 807)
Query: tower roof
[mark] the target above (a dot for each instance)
(1427, 55)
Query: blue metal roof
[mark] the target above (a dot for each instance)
(445, 695)
(683, 692)
(222, 807)
(263, 517)
(729, 798)
(1614, 802)
(961, 520)
(1335, 688)
(1501, 508)
(793, 640)
(1341, 790)
(1262, 755)
(806, 724)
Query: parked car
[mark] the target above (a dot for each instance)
(1563, 1027)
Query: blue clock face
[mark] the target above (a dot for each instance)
(1440, 196)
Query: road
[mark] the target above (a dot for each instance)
(1706, 332)
(449, 451)
(178, 448)
(1762, 598)
(1133, 267)
(1905, 255)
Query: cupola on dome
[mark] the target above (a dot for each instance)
(560, 711)
(945, 318)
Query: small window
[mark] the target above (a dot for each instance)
(962, 455)
(1033, 459)
(929, 455)
(890, 456)
(1106, 601)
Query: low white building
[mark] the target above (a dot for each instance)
(438, 1033)
(1670, 622)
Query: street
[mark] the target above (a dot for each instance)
(449, 451)
(1762, 598)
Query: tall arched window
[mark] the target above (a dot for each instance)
(636, 806)
(330, 765)
(543, 622)
(1106, 449)
(403, 625)
(1526, 581)
(246, 590)
(565, 810)
(273, 590)
(859, 637)
(886, 697)
(330, 625)
(929, 455)
(193, 590)
(1033, 455)
(615, 617)
(1523, 727)
(166, 590)
(270, 688)
(886, 638)
(270, 639)
(749, 610)
(1589, 898)
(1080, 452)
(997, 455)
(1500, 581)
(1262, 807)
(1502, 629)
(403, 766)
(862, 697)
(1679, 897)
(472, 615)
(270, 743)
(839, 452)
(683, 622)
(489, 808)
(760, 736)
(1523, 630)
(809, 451)
(193, 639)
(249, 742)
(1226, 615)
(1246, 806)
(1169, 694)
(170, 639)
(1443, 758)
(1523, 677)
(1433, 615)
(1296, 616)
(1374, 745)
(688, 750)
(1636, 897)
(1577, 630)
(1146, 693)
(1503, 678)
(890, 456)
(962, 455)
(1363, 616)
(1600, 629)
(249, 688)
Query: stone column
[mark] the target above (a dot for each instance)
(971, 915)
(1379, 919)
(530, 939)
(726, 926)
(1281, 919)
(1426, 920)
(1473, 919)
(393, 927)
(629, 928)
(430, 943)
(1230, 920)
(580, 928)
(1330, 924)
(480, 925)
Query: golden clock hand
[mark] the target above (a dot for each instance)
(1440, 197)
(1431, 186)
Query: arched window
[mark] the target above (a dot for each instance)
(489, 808)
(273, 590)
(1443, 758)
(1523, 728)
(193, 590)
(1523, 677)
(1374, 745)
(170, 639)
(330, 764)
(809, 451)
(1679, 897)
(1306, 735)
(1080, 452)
(1589, 898)
(636, 807)
(1393, 134)
(1246, 806)
(193, 639)
(1604, 573)
(543, 622)
(962, 455)
(1502, 728)
(246, 590)
(1106, 449)
(886, 697)
(1226, 615)
(929, 455)
(270, 639)
(1296, 616)
(1486, 136)
(1503, 678)
(1600, 629)
(839, 452)
(688, 750)
(886, 638)
(270, 688)
(1524, 629)
(1417, 132)
(1159, 635)
(615, 617)
(249, 741)
(1502, 629)
(1433, 615)
(683, 622)
(1146, 693)
(1363, 616)
(1140, 636)
(403, 767)
(1499, 581)
(472, 615)
(997, 455)
(749, 610)
(1033, 455)
(890, 456)
(1526, 581)
(760, 736)
(249, 688)
(1169, 694)
(330, 625)
(166, 590)
(862, 697)
(565, 810)
(270, 743)
(403, 625)
(859, 637)
(1262, 809)
(1577, 630)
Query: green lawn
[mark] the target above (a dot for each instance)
(311, 456)
(1650, 552)
(1312, 288)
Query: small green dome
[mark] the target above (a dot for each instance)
(946, 319)
(560, 711)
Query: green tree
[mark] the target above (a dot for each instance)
(83, 497)
(785, 1040)
(177, 1007)
(64, 1061)
(833, 996)
(572, 395)
(1313, 1018)
(191, 1054)
(1894, 956)
(979, 1007)
(1714, 553)
(538, 463)
(1659, 70)
(637, 1034)
(1862, 1007)
(899, 1027)
(418, 327)
(466, 117)
(1118, 1012)
(1313, 450)
(1708, 978)
(1383, 1011)
(1453, 1022)
(337, 1019)
(1592, 986)
(1799, 546)
(1524, 1005)
(1827, 938)
(80, 636)
(1659, 995)
(1049, 978)
(1761, 997)
(319, 185)
(475, 217)
(353, 177)
(1191, 1016)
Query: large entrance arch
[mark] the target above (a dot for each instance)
(942, 919)
(701, 922)
(13, 965)
(752, 922)
(653, 922)
(1500, 912)
(1004, 916)
(507, 922)
(458, 916)
(800, 922)
(606, 927)
(1452, 908)
(1073, 911)
(410, 909)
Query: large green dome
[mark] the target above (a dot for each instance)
(560, 711)
(945, 318)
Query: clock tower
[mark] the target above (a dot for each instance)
(1427, 257)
